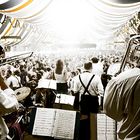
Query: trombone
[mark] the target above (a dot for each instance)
(11, 59)
(130, 51)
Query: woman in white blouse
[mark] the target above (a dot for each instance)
(60, 74)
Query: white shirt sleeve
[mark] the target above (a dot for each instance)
(8, 101)
(99, 86)
(76, 84)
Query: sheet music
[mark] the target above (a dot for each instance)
(64, 99)
(55, 123)
(105, 127)
(47, 83)
(52, 84)
(44, 122)
(64, 124)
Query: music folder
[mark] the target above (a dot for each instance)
(64, 99)
(47, 83)
(56, 123)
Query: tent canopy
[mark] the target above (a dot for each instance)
(52, 22)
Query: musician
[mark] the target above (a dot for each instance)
(13, 80)
(122, 101)
(8, 104)
(93, 86)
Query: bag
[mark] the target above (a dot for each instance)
(88, 103)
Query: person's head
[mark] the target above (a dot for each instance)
(73, 73)
(94, 60)
(8, 73)
(48, 69)
(137, 57)
(21, 67)
(88, 66)
(17, 72)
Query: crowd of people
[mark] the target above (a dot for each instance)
(80, 75)
(28, 72)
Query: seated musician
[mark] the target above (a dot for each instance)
(8, 104)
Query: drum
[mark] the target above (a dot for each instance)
(22, 93)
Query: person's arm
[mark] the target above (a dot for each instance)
(99, 86)
(114, 101)
(75, 88)
(65, 74)
(8, 101)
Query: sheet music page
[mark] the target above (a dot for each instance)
(43, 83)
(44, 122)
(64, 99)
(64, 124)
(47, 83)
(105, 127)
(52, 84)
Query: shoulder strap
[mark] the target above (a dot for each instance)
(53, 76)
(86, 87)
(18, 81)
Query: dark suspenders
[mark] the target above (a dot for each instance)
(86, 87)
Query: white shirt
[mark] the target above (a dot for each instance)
(8, 104)
(61, 78)
(14, 80)
(97, 68)
(113, 69)
(95, 87)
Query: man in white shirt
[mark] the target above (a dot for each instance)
(95, 88)
(13, 81)
(8, 104)
(97, 66)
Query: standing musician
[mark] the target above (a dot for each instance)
(91, 86)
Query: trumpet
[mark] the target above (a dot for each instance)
(132, 49)
(11, 59)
